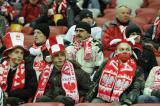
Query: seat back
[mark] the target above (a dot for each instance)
(57, 30)
(28, 40)
(43, 104)
(147, 104)
(94, 104)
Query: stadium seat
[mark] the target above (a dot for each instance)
(139, 21)
(147, 104)
(109, 13)
(43, 104)
(28, 40)
(148, 14)
(100, 21)
(94, 104)
(154, 5)
(56, 30)
(27, 30)
(153, 1)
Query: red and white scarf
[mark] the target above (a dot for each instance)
(39, 63)
(61, 9)
(115, 79)
(87, 45)
(156, 29)
(69, 82)
(156, 85)
(18, 79)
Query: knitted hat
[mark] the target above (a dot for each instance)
(13, 40)
(85, 26)
(133, 28)
(85, 13)
(44, 28)
(55, 44)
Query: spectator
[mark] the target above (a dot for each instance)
(31, 11)
(132, 4)
(85, 50)
(115, 29)
(17, 81)
(119, 79)
(152, 37)
(7, 10)
(143, 55)
(152, 87)
(38, 51)
(63, 82)
(85, 16)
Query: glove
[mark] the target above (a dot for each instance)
(21, 20)
(50, 12)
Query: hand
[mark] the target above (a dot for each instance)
(50, 12)
(21, 20)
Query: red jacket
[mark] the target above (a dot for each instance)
(112, 31)
(31, 12)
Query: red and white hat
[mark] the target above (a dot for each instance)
(55, 44)
(13, 40)
(130, 41)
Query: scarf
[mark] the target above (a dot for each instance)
(115, 79)
(19, 77)
(68, 80)
(61, 8)
(156, 85)
(39, 63)
(87, 45)
(156, 29)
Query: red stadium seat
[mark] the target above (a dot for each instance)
(27, 30)
(147, 104)
(56, 30)
(28, 40)
(147, 13)
(43, 104)
(139, 21)
(109, 13)
(100, 21)
(154, 5)
(94, 104)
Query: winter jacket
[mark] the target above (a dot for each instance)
(145, 59)
(152, 83)
(111, 31)
(87, 66)
(129, 96)
(148, 38)
(29, 89)
(54, 85)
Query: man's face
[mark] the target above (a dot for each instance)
(123, 14)
(59, 59)
(88, 20)
(124, 48)
(39, 37)
(16, 56)
(81, 34)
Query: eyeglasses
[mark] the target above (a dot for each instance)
(80, 30)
